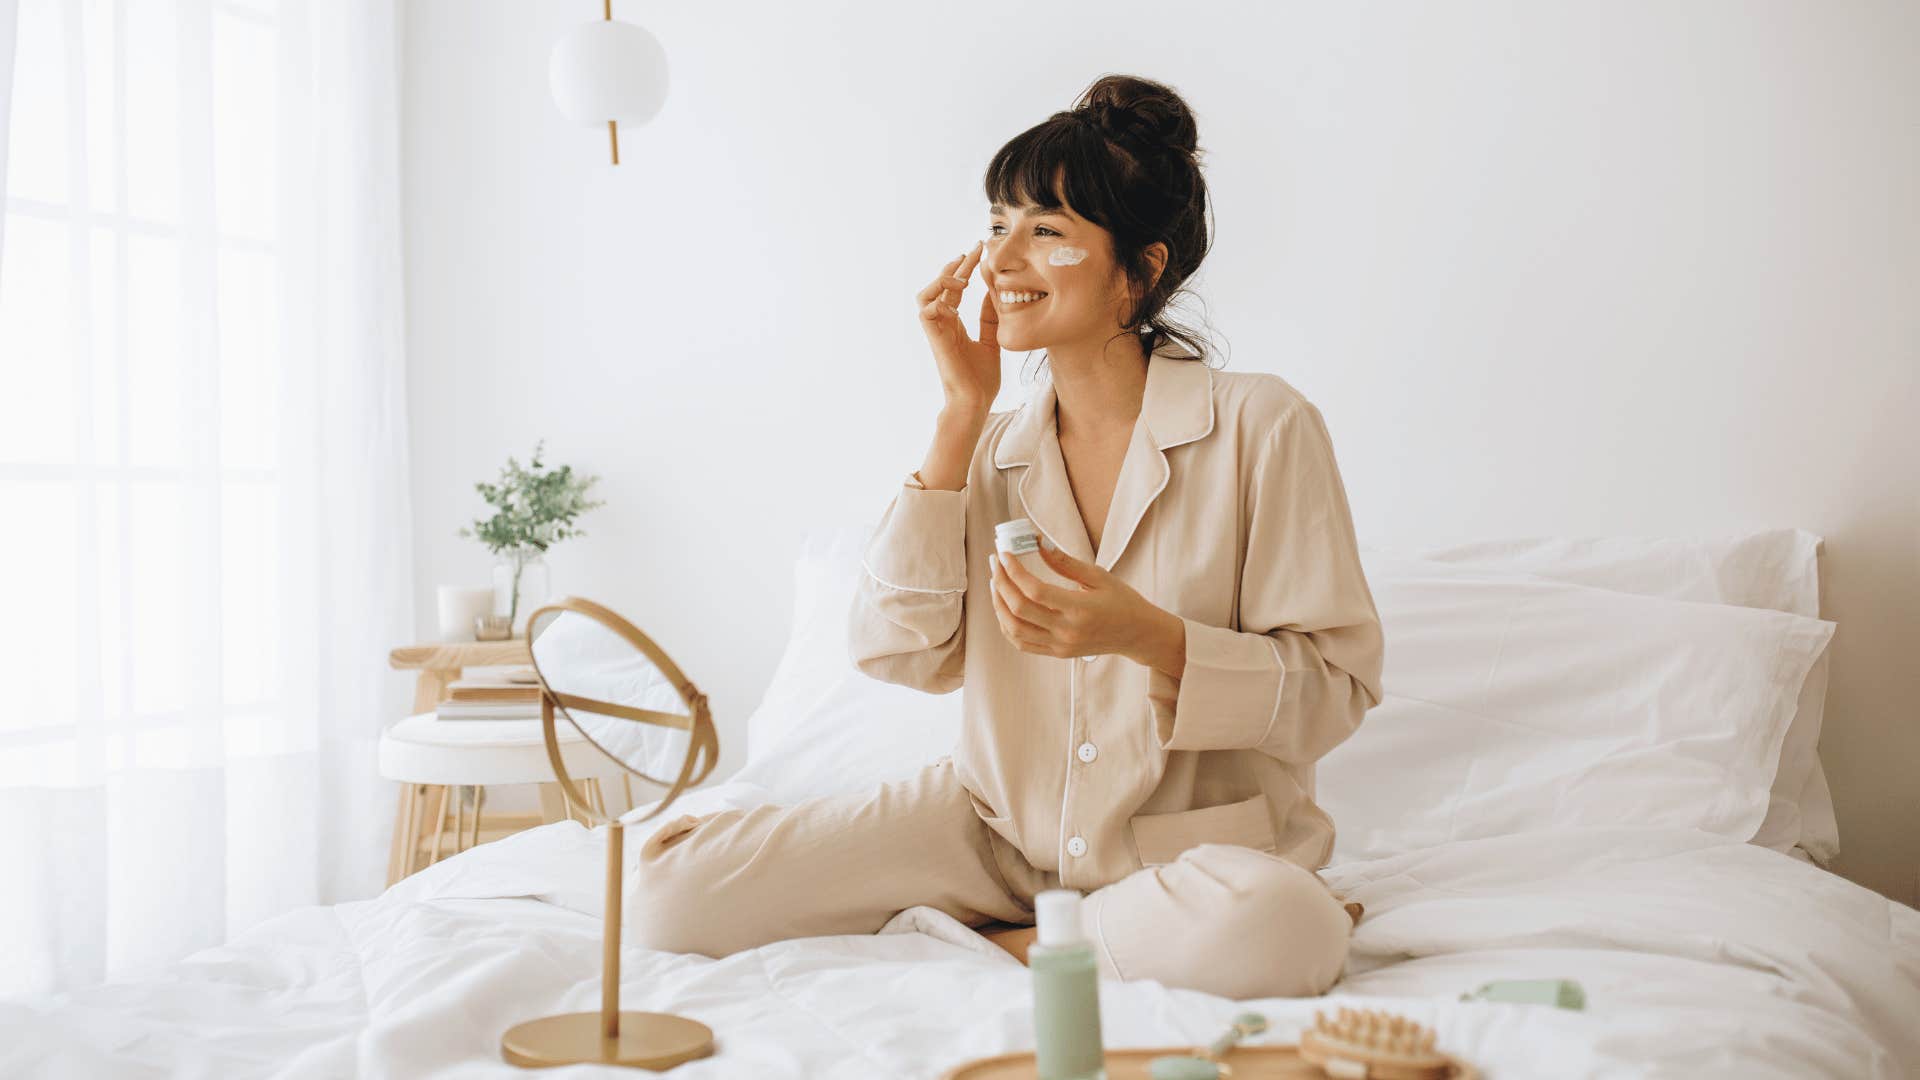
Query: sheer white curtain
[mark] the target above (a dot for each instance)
(203, 473)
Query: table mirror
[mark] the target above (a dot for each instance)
(623, 694)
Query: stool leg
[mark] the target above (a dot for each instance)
(416, 806)
(479, 802)
(401, 813)
(416, 856)
(460, 818)
(439, 824)
(626, 784)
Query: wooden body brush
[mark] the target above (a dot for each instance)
(1368, 1045)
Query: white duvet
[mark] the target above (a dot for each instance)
(1699, 957)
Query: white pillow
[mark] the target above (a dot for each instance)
(824, 726)
(1517, 703)
(1768, 568)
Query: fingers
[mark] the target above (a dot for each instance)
(971, 259)
(1016, 598)
(960, 276)
(932, 299)
(941, 297)
(938, 287)
(1052, 597)
(1080, 573)
(989, 315)
(1017, 630)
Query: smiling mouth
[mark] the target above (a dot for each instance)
(1019, 305)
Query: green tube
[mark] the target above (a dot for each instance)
(1066, 993)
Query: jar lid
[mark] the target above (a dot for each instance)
(1007, 530)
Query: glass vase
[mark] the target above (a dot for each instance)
(520, 584)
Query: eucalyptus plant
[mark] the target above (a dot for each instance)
(533, 508)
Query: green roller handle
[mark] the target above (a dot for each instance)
(1563, 993)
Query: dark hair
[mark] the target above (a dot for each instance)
(1125, 157)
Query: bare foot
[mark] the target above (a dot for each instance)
(1015, 941)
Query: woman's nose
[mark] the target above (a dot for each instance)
(1000, 256)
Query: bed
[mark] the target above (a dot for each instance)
(1668, 860)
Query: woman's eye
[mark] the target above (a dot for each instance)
(994, 230)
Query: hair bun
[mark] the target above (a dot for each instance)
(1129, 107)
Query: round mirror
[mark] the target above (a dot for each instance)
(623, 695)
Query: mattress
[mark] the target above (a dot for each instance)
(1699, 956)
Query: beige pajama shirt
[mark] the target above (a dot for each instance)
(1182, 806)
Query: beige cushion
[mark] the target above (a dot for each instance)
(425, 749)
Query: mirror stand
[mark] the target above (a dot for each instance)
(649, 1040)
(612, 1036)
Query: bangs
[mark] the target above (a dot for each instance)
(1040, 166)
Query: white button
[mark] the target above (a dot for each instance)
(1076, 847)
(1088, 751)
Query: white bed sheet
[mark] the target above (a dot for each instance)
(1699, 956)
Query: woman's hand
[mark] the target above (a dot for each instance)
(969, 369)
(1104, 615)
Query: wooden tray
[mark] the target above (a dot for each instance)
(1248, 1063)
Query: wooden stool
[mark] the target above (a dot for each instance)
(440, 761)
(429, 759)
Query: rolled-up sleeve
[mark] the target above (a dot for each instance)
(1304, 666)
(907, 623)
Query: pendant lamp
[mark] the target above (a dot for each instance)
(608, 72)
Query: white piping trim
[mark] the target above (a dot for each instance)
(1144, 507)
(1281, 666)
(1027, 508)
(905, 588)
(1100, 930)
(1066, 788)
(1210, 419)
(1164, 480)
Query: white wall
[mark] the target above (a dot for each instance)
(1546, 268)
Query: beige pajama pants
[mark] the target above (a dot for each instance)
(1224, 919)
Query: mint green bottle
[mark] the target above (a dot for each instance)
(1066, 992)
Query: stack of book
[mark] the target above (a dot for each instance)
(506, 693)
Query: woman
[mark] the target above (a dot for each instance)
(1147, 737)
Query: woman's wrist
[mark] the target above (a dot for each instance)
(963, 414)
(1166, 648)
(956, 433)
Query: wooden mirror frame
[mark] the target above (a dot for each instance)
(703, 747)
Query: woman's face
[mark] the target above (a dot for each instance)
(1066, 259)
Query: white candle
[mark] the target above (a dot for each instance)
(458, 605)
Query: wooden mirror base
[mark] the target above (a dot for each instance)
(647, 1040)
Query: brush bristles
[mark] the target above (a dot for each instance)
(1377, 1034)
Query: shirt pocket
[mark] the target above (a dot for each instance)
(1162, 837)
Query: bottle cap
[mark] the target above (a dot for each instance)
(1058, 916)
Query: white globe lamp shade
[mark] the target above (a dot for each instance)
(608, 72)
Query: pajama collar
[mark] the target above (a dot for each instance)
(1176, 408)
